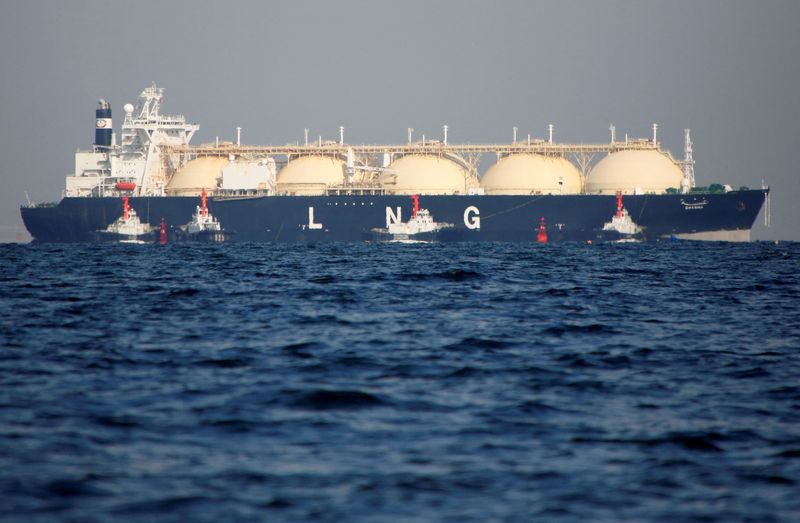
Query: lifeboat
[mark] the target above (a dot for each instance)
(125, 186)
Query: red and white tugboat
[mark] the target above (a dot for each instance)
(420, 228)
(204, 227)
(127, 228)
(621, 228)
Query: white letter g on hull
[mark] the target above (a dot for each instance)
(472, 217)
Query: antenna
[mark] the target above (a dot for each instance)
(410, 133)
(688, 162)
(350, 165)
(341, 135)
(514, 139)
(550, 130)
(238, 136)
(655, 134)
(613, 133)
(305, 133)
(445, 134)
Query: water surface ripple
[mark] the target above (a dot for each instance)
(358, 382)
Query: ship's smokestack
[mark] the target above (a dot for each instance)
(102, 125)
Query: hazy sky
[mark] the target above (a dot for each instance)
(727, 69)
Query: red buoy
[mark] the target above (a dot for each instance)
(541, 236)
(162, 238)
(415, 197)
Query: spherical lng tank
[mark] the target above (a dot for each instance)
(310, 175)
(201, 173)
(532, 174)
(426, 174)
(634, 172)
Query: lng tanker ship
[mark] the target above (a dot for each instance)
(319, 190)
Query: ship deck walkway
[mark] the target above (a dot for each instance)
(339, 149)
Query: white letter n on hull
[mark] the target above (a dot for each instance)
(391, 217)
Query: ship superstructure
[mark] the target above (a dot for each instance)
(136, 165)
(155, 157)
(329, 190)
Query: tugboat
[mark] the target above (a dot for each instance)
(127, 228)
(420, 228)
(204, 227)
(621, 228)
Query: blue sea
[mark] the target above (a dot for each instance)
(400, 383)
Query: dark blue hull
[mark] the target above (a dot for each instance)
(351, 218)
